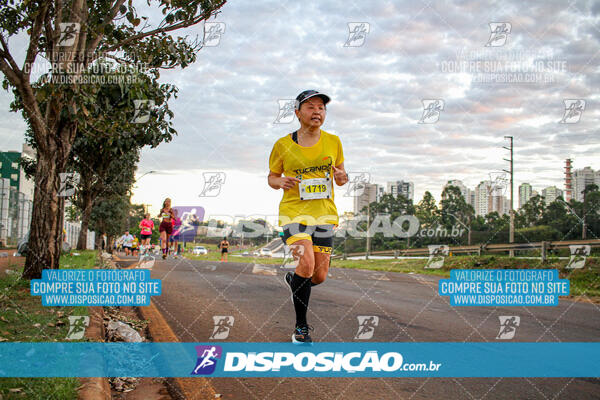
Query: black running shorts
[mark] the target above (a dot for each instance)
(321, 236)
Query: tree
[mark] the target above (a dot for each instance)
(116, 179)
(426, 210)
(106, 151)
(72, 35)
(531, 212)
(455, 210)
(109, 214)
(557, 216)
(390, 206)
(590, 207)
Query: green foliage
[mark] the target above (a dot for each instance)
(426, 211)
(64, 101)
(537, 234)
(531, 212)
(454, 209)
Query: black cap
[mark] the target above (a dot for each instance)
(307, 94)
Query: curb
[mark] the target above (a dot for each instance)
(160, 331)
(95, 388)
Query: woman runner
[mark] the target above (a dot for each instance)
(309, 159)
(166, 226)
(176, 232)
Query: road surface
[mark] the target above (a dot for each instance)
(407, 306)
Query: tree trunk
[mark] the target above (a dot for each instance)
(85, 220)
(46, 230)
(45, 235)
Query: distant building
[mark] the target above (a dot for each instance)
(406, 189)
(10, 169)
(380, 192)
(369, 195)
(568, 179)
(551, 193)
(16, 196)
(525, 193)
(483, 204)
(499, 204)
(582, 178)
(471, 198)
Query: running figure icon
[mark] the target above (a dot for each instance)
(207, 361)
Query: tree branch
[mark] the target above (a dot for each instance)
(181, 24)
(36, 31)
(83, 33)
(9, 59)
(113, 13)
(49, 33)
(12, 77)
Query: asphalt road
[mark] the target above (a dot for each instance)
(409, 310)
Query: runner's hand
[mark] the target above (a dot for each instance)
(340, 176)
(287, 182)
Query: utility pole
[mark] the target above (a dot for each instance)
(583, 223)
(368, 224)
(511, 233)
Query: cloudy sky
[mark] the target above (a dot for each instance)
(411, 52)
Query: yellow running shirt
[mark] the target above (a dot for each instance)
(291, 159)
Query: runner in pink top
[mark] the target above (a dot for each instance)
(146, 227)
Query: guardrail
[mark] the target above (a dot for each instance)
(478, 249)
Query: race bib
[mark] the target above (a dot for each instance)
(316, 188)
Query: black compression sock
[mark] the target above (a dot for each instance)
(301, 288)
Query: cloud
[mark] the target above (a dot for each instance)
(228, 99)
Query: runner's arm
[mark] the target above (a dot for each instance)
(276, 181)
(340, 175)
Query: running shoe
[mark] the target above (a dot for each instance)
(301, 335)
(164, 256)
